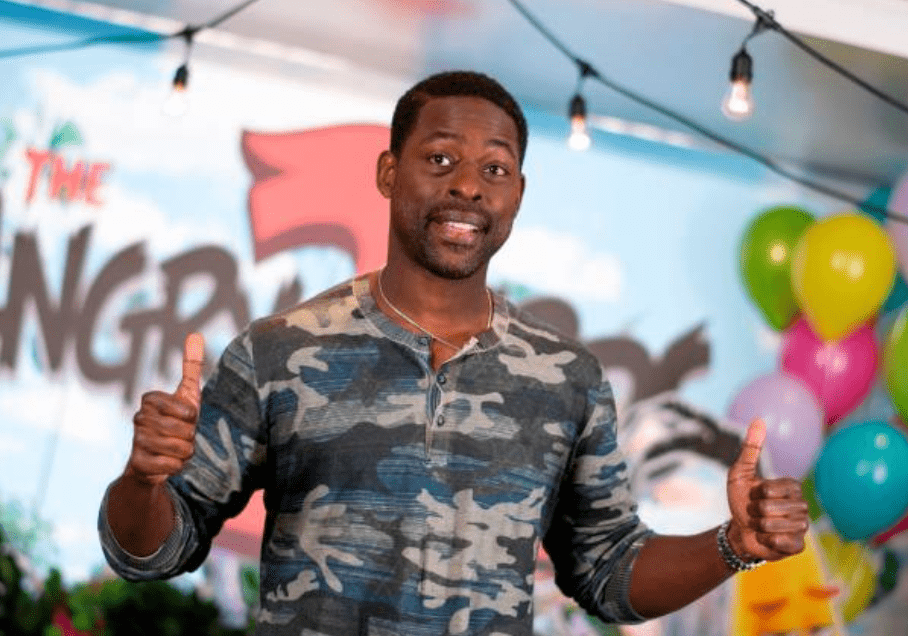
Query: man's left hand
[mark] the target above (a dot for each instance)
(769, 516)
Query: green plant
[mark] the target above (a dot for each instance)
(113, 607)
(22, 613)
(27, 532)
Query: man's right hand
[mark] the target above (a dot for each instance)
(164, 426)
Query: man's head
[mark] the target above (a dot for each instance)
(453, 84)
(453, 174)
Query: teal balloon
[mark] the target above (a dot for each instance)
(875, 206)
(767, 248)
(861, 478)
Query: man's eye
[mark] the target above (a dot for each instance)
(440, 159)
(497, 170)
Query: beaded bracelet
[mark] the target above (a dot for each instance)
(731, 559)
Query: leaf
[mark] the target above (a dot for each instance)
(65, 135)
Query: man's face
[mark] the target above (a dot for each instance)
(455, 188)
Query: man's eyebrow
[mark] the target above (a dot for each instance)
(451, 134)
(504, 143)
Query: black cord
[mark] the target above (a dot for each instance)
(769, 20)
(765, 20)
(125, 38)
(122, 38)
(587, 70)
(228, 14)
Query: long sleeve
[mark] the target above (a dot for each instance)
(217, 481)
(595, 533)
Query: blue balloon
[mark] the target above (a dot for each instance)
(861, 478)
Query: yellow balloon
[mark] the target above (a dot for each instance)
(851, 566)
(842, 271)
(791, 596)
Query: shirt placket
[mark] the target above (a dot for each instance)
(435, 457)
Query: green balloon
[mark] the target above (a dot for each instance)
(766, 254)
(895, 363)
(809, 493)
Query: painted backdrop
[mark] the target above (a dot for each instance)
(122, 228)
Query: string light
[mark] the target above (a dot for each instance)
(738, 104)
(579, 139)
(765, 19)
(177, 102)
(767, 162)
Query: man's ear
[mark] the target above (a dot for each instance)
(523, 185)
(386, 173)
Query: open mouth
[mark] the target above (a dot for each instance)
(459, 231)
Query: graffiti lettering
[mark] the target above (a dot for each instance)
(71, 184)
(71, 320)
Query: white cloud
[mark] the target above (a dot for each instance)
(559, 263)
(80, 414)
(10, 445)
(127, 217)
(79, 547)
(70, 532)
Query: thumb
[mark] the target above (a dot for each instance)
(193, 357)
(746, 463)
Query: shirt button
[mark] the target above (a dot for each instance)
(442, 378)
(441, 420)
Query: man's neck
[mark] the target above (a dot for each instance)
(454, 310)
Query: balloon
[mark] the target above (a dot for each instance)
(852, 564)
(809, 493)
(842, 271)
(839, 373)
(766, 251)
(898, 228)
(793, 417)
(876, 203)
(861, 478)
(898, 528)
(895, 363)
(875, 206)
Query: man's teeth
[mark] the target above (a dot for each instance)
(463, 227)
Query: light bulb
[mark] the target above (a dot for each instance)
(738, 103)
(177, 102)
(579, 138)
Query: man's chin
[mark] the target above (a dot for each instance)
(453, 273)
(454, 270)
(455, 262)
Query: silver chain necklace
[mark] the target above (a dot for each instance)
(447, 343)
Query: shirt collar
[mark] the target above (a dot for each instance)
(485, 340)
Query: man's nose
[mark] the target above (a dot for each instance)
(466, 182)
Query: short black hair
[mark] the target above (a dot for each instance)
(453, 84)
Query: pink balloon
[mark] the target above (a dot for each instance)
(840, 373)
(898, 229)
(898, 528)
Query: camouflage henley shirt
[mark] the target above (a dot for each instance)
(403, 500)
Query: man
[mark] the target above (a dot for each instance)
(417, 437)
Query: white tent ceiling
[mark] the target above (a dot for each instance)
(674, 52)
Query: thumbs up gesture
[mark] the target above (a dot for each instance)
(164, 426)
(769, 516)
